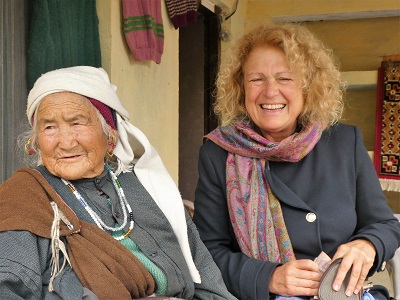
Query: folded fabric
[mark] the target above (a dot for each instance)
(62, 34)
(182, 12)
(143, 29)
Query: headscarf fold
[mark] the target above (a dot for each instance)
(254, 210)
(133, 147)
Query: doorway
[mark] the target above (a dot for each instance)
(199, 48)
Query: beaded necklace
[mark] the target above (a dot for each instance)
(122, 199)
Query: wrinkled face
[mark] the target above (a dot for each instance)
(70, 136)
(273, 96)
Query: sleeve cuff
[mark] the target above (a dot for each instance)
(254, 281)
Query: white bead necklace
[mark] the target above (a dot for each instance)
(122, 199)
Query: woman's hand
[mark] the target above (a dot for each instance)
(358, 254)
(295, 278)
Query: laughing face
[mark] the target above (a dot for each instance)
(70, 136)
(273, 96)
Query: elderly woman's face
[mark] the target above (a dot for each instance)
(70, 136)
(273, 96)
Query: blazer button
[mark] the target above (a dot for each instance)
(311, 217)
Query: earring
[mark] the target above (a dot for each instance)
(28, 148)
(110, 154)
(111, 143)
(112, 140)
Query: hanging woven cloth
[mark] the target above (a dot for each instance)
(143, 29)
(182, 12)
(62, 34)
(387, 132)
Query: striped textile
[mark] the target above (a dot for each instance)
(143, 29)
(182, 12)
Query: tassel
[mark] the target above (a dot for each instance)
(57, 245)
(390, 185)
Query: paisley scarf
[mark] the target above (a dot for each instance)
(254, 210)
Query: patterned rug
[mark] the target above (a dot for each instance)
(387, 134)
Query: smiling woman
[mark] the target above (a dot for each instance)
(273, 96)
(281, 180)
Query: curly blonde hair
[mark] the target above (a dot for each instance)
(307, 56)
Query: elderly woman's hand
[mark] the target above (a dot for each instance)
(295, 278)
(358, 255)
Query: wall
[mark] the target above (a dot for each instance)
(261, 10)
(233, 28)
(148, 91)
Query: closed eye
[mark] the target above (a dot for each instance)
(285, 78)
(257, 81)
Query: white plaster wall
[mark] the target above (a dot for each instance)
(149, 91)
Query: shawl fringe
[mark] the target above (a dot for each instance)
(390, 185)
(57, 245)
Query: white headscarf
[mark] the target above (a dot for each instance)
(132, 146)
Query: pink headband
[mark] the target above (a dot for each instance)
(107, 113)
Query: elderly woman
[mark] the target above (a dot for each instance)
(100, 217)
(281, 181)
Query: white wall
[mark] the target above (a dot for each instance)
(149, 91)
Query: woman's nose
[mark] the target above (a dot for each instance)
(270, 88)
(66, 137)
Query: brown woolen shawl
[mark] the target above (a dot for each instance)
(101, 263)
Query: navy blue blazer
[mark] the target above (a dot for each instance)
(330, 197)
